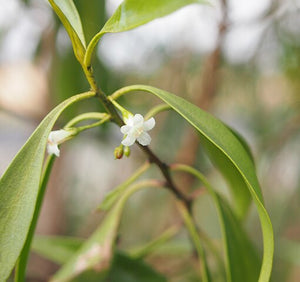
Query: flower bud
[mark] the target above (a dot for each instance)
(127, 151)
(118, 152)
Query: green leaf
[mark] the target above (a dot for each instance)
(68, 14)
(215, 133)
(238, 186)
(235, 180)
(20, 271)
(19, 188)
(134, 13)
(56, 248)
(97, 251)
(149, 248)
(126, 269)
(242, 262)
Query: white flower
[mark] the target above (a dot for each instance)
(136, 129)
(55, 138)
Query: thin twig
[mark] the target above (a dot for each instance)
(153, 158)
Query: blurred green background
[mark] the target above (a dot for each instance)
(238, 59)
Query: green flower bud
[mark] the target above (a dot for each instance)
(118, 152)
(127, 151)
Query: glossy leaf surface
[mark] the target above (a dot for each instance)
(19, 188)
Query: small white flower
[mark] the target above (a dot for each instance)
(136, 129)
(55, 138)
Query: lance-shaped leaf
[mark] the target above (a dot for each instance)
(97, 252)
(242, 262)
(231, 150)
(68, 14)
(134, 13)
(60, 249)
(19, 188)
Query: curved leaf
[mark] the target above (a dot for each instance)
(242, 263)
(19, 188)
(134, 13)
(58, 249)
(230, 149)
(68, 14)
(239, 189)
(97, 252)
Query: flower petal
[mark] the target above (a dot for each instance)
(128, 141)
(125, 129)
(52, 149)
(144, 139)
(149, 124)
(138, 120)
(57, 136)
(129, 120)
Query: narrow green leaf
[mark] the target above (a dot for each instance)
(56, 248)
(194, 235)
(124, 268)
(242, 262)
(97, 251)
(134, 13)
(230, 149)
(239, 189)
(68, 14)
(149, 248)
(20, 271)
(19, 188)
(233, 177)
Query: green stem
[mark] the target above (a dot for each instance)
(141, 252)
(101, 116)
(190, 225)
(122, 91)
(211, 190)
(90, 49)
(85, 116)
(156, 110)
(22, 262)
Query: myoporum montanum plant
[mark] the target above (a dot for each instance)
(23, 185)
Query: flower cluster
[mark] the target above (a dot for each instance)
(136, 128)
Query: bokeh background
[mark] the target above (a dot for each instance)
(238, 59)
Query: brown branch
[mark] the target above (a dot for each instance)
(164, 168)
